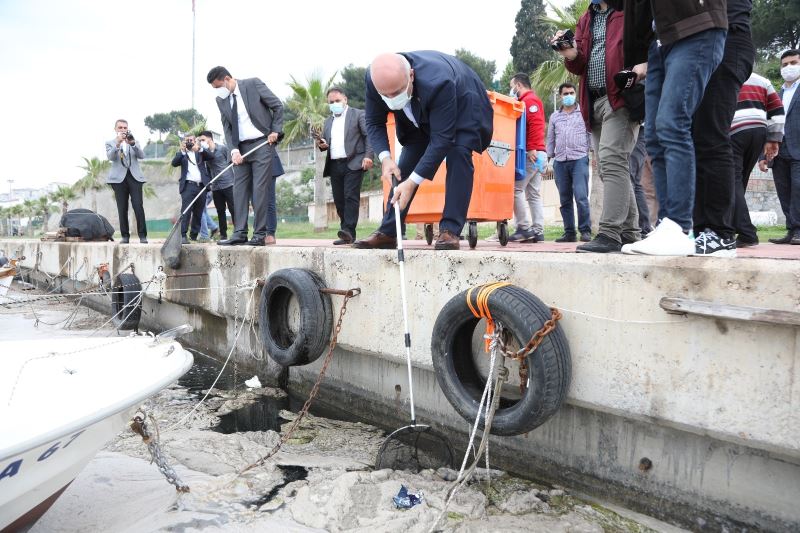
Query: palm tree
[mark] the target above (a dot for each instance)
(44, 208)
(30, 210)
(16, 213)
(94, 168)
(63, 195)
(550, 74)
(4, 227)
(309, 105)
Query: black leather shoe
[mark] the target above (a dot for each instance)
(586, 236)
(345, 237)
(126, 240)
(143, 240)
(601, 244)
(235, 241)
(567, 237)
(256, 241)
(786, 239)
(184, 240)
(795, 238)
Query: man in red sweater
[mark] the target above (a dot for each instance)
(528, 190)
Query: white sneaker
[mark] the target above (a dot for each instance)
(667, 239)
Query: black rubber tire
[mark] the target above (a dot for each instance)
(502, 232)
(472, 234)
(549, 367)
(429, 233)
(284, 346)
(126, 306)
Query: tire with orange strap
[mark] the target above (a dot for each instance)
(538, 380)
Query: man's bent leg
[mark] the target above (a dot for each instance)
(458, 189)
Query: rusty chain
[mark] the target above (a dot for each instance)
(315, 389)
(521, 355)
(139, 425)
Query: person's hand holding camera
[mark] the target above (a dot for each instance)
(129, 138)
(562, 42)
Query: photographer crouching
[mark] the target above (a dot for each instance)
(126, 179)
(192, 159)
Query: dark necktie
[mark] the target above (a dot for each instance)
(234, 123)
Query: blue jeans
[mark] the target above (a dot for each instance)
(677, 76)
(207, 224)
(572, 180)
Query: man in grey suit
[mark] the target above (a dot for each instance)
(344, 138)
(250, 113)
(786, 165)
(126, 179)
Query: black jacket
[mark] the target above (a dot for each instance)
(675, 20)
(182, 160)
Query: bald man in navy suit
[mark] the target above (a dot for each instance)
(441, 110)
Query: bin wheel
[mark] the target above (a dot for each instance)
(429, 233)
(472, 235)
(502, 232)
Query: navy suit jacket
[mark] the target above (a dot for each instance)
(790, 147)
(450, 104)
(181, 160)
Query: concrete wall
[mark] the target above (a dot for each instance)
(714, 404)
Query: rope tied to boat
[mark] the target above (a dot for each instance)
(139, 425)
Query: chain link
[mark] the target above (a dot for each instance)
(139, 425)
(520, 356)
(314, 390)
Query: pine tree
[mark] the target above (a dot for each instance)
(530, 45)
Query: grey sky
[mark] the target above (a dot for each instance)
(72, 67)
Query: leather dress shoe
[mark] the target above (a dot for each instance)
(447, 241)
(234, 241)
(184, 240)
(126, 240)
(143, 240)
(344, 238)
(257, 241)
(269, 239)
(795, 238)
(786, 239)
(376, 240)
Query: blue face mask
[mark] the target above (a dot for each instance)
(337, 108)
(595, 2)
(568, 100)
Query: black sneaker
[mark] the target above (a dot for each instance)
(708, 243)
(521, 235)
(786, 239)
(601, 244)
(536, 237)
(586, 236)
(567, 237)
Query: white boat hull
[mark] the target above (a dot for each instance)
(60, 402)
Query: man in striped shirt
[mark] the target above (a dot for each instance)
(757, 128)
(568, 144)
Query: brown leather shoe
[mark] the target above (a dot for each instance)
(269, 239)
(376, 240)
(447, 241)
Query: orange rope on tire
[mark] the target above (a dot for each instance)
(481, 307)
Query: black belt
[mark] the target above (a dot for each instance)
(597, 93)
(340, 160)
(262, 138)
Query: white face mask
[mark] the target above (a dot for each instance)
(222, 92)
(790, 72)
(396, 103)
(204, 145)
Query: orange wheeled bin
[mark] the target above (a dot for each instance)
(493, 184)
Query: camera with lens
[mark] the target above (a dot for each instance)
(189, 144)
(564, 42)
(129, 136)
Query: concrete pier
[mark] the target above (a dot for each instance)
(713, 404)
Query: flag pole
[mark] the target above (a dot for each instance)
(193, 44)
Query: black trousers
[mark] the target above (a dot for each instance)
(715, 195)
(223, 198)
(130, 188)
(747, 147)
(346, 186)
(457, 192)
(190, 190)
(786, 173)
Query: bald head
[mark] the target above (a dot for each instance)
(391, 74)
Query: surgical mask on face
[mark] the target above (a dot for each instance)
(790, 72)
(204, 145)
(568, 100)
(337, 108)
(512, 93)
(222, 92)
(596, 2)
(396, 103)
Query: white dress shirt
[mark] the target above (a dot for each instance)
(788, 93)
(192, 173)
(416, 178)
(337, 136)
(247, 130)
